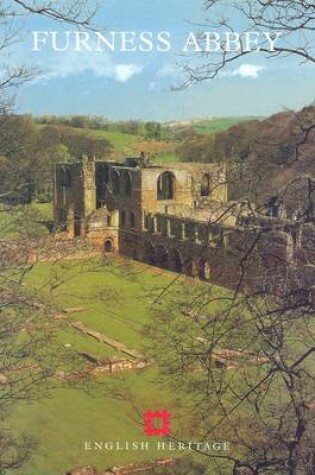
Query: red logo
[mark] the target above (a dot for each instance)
(157, 423)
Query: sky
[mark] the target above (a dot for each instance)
(139, 85)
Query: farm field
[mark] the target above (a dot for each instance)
(115, 299)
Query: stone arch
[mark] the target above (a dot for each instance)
(166, 186)
(176, 261)
(147, 221)
(65, 176)
(205, 185)
(108, 245)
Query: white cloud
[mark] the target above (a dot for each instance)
(246, 71)
(123, 72)
(71, 63)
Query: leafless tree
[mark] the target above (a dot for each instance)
(246, 356)
(295, 19)
(13, 20)
(29, 354)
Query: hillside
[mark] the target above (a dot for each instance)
(122, 144)
(265, 155)
(163, 150)
(206, 125)
(218, 124)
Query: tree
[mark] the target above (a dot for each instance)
(263, 156)
(295, 19)
(78, 143)
(153, 130)
(197, 149)
(28, 352)
(18, 163)
(245, 357)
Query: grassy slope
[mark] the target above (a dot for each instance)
(124, 144)
(219, 124)
(70, 417)
(130, 145)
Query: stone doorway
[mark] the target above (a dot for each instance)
(109, 246)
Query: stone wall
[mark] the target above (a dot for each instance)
(187, 227)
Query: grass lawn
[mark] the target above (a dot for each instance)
(116, 298)
(63, 422)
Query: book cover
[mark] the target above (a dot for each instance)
(157, 237)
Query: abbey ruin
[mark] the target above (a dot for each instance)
(179, 217)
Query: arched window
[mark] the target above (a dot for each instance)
(123, 218)
(65, 177)
(166, 186)
(147, 221)
(205, 185)
(128, 184)
(116, 182)
(108, 246)
(132, 220)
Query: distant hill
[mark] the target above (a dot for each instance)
(122, 144)
(217, 124)
(209, 124)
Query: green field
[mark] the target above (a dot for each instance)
(124, 144)
(115, 299)
(218, 124)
